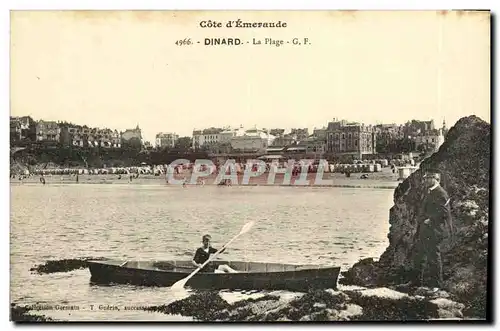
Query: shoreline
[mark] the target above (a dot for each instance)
(381, 180)
(387, 187)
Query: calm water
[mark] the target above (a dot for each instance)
(330, 226)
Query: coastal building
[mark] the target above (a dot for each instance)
(387, 135)
(166, 140)
(15, 131)
(278, 133)
(132, 133)
(228, 133)
(416, 127)
(211, 136)
(350, 138)
(225, 137)
(108, 138)
(320, 134)
(430, 140)
(300, 133)
(284, 140)
(84, 136)
(197, 139)
(206, 138)
(22, 128)
(48, 131)
(313, 146)
(252, 140)
(132, 137)
(444, 128)
(389, 131)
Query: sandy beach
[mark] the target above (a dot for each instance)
(383, 179)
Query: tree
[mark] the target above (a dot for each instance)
(183, 143)
(426, 147)
(382, 147)
(133, 143)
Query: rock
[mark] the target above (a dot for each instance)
(64, 265)
(464, 164)
(203, 306)
(22, 314)
(365, 272)
(383, 292)
(448, 309)
(404, 288)
(346, 288)
(374, 304)
(429, 293)
(351, 311)
(232, 298)
(392, 307)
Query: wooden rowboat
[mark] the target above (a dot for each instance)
(250, 275)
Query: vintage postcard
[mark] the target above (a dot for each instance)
(263, 166)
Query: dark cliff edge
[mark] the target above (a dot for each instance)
(464, 163)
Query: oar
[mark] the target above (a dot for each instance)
(181, 283)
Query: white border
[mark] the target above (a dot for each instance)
(7, 5)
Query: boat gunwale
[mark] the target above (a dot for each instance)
(307, 268)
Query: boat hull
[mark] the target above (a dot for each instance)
(294, 278)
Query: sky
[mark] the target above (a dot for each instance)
(122, 69)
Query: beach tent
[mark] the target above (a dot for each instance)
(271, 157)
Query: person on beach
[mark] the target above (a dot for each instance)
(434, 220)
(203, 253)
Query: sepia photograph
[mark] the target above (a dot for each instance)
(250, 166)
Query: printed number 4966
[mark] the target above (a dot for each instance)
(183, 42)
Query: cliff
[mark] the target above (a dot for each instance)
(464, 163)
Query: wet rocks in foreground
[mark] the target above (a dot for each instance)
(357, 304)
(21, 314)
(204, 306)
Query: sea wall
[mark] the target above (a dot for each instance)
(464, 163)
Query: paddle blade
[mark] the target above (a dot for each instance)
(178, 293)
(247, 227)
(179, 285)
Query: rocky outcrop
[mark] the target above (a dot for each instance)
(64, 265)
(354, 304)
(464, 164)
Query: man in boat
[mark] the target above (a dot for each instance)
(434, 221)
(203, 254)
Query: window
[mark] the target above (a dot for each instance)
(343, 135)
(356, 142)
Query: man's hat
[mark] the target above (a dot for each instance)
(434, 175)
